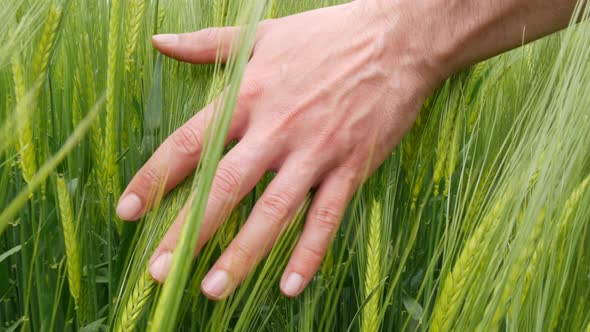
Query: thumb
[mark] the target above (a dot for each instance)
(198, 47)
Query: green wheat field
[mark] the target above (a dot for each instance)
(478, 221)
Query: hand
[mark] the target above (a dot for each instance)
(326, 97)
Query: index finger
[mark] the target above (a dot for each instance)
(172, 162)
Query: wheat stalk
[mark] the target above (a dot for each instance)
(455, 144)
(371, 315)
(71, 243)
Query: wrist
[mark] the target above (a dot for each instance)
(410, 38)
(446, 36)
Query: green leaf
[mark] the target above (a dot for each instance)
(10, 252)
(413, 307)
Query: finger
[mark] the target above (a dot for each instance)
(172, 162)
(202, 46)
(272, 212)
(237, 174)
(323, 220)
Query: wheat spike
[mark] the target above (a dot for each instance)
(515, 273)
(272, 9)
(579, 317)
(89, 72)
(140, 281)
(76, 107)
(229, 229)
(46, 43)
(161, 17)
(41, 63)
(479, 70)
(25, 142)
(458, 281)
(571, 204)
(569, 209)
(219, 12)
(136, 303)
(529, 275)
(71, 243)
(96, 136)
(442, 149)
(327, 267)
(417, 187)
(109, 171)
(370, 316)
(133, 25)
(110, 146)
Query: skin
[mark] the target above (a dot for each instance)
(334, 101)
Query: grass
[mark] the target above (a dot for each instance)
(475, 222)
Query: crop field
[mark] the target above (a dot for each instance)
(478, 221)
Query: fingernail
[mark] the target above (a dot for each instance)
(293, 284)
(216, 284)
(161, 266)
(165, 39)
(129, 207)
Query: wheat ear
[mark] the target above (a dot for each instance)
(136, 16)
(516, 271)
(570, 207)
(370, 317)
(71, 243)
(108, 176)
(110, 145)
(46, 43)
(442, 148)
(136, 303)
(25, 142)
(458, 281)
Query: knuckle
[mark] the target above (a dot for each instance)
(242, 254)
(210, 36)
(187, 141)
(149, 178)
(312, 254)
(227, 180)
(350, 175)
(327, 217)
(276, 206)
(250, 91)
(264, 26)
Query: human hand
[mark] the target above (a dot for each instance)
(326, 97)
